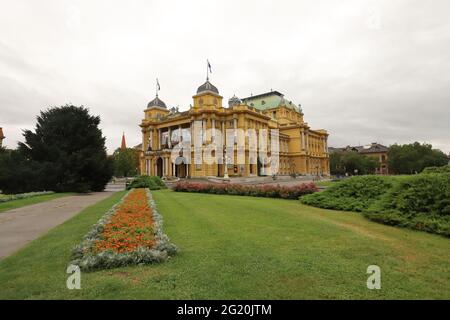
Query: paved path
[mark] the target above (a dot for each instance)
(22, 225)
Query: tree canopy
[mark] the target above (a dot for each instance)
(343, 162)
(126, 162)
(65, 152)
(414, 157)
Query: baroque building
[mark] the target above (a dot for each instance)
(301, 150)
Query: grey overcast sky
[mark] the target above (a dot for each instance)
(367, 71)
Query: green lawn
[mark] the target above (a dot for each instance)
(4, 206)
(234, 247)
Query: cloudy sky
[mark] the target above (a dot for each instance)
(364, 70)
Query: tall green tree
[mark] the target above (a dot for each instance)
(126, 162)
(414, 157)
(65, 152)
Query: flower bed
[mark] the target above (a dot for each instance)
(10, 197)
(129, 233)
(268, 191)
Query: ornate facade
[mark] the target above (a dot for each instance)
(301, 149)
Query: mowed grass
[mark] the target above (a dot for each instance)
(234, 247)
(14, 204)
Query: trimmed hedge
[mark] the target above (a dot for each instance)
(420, 202)
(352, 194)
(268, 191)
(150, 182)
(444, 169)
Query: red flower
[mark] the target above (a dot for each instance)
(130, 227)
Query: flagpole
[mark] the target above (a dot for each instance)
(207, 72)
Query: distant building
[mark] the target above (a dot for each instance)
(374, 149)
(1, 137)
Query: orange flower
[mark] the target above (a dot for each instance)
(130, 227)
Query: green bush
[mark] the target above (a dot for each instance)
(352, 194)
(444, 169)
(419, 202)
(151, 182)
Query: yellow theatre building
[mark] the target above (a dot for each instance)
(301, 150)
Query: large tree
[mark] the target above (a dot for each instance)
(414, 157)
(126, 162)
(66, 152)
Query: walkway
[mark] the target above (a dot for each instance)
(22, 225)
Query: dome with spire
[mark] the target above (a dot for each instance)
(157, 102)
(233, 101)
(207, 86)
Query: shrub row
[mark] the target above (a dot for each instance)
(352, 194)
(88, 258)
(420, 202)
(268, 191)
(10, 197)
(150, 182)
(444, 169)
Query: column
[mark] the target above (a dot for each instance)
(191, 131)
(164, 166)
(303, 140)
(170, 138)
(159, 139)
(235, 131)
(213, 134)
(154, 145)
(307, 142)
(223, 133)
(203, 130)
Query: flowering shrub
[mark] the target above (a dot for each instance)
(268, 191)
(129, 233)
(10, 197)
